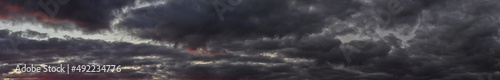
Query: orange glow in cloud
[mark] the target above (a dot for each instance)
(192, 50)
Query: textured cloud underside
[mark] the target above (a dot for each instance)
(265, 39)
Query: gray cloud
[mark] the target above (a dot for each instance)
(196, 23)
(278, 39)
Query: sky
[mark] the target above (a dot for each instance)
(254, 39)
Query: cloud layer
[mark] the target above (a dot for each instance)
(272, 39)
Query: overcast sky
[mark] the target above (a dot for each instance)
(255, 39)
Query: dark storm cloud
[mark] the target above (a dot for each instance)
(196, 22)
(84, 51)
(460, 42)
(56, 47)
(78, 51)
(452, 43)
(90, 15)
(323, 49)
(455, 40)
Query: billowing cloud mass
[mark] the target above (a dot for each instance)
(265, 39)
(195, 22)
(87, 14)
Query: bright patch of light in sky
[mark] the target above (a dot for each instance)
(109, 36)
